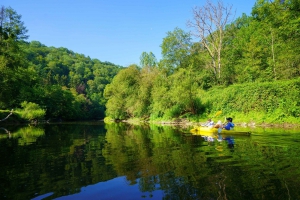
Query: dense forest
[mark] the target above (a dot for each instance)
(46, 82)
(248, 67)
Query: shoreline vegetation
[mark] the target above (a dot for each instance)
(186, 123)
(267, 104)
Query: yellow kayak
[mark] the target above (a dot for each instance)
(208, 130)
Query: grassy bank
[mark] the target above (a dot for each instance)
(271, 102)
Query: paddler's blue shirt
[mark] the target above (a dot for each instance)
(229, 126)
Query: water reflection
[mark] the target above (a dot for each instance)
(25, 135)
(119, 161)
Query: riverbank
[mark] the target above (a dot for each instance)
(182, 122)
(187, 123)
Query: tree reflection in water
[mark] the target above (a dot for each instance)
(157, 162)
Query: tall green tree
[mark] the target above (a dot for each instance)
(11, 25)
(13, 69)
(148, 76)
(175, 49)
(148, 59)
(122, 93)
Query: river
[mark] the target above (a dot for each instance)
(121, 161)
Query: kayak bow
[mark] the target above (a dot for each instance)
(206, 130)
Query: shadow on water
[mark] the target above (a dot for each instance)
(121, 161)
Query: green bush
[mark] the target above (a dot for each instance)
(173, 112)
(31, 111)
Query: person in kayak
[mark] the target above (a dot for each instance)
(219, 124)
(229, 125)
(209, 123)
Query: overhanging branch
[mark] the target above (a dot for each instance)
(11, 112)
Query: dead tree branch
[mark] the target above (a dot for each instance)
(209, 25)
(11, 112)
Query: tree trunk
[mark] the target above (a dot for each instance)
(273, 55)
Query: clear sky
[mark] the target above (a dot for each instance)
(117, 31)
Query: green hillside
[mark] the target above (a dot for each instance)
(34, 77)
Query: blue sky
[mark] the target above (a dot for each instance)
(117, 31)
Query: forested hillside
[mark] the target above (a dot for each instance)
(48, 82)
(201, 67)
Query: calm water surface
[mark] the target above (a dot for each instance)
(119, 161)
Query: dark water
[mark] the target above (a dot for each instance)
(119, 161)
